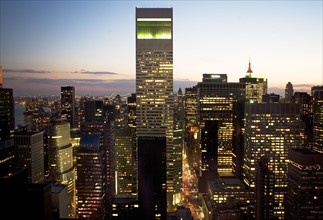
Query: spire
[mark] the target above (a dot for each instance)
(249, 71)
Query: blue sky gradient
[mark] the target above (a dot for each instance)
(71, 41)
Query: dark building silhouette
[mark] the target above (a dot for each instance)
(209, 148)
(152, 177)
(125, 208)
(18, 198)
(131, 104)
(264, 190)
(238, 137)
(304, 199)
(7, 126)
(289, 92)
(272, 97)
(68, 104)
(317, 94)
(306, 106)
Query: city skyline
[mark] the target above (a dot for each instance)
(91, 45)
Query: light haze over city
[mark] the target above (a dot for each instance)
(91, 44)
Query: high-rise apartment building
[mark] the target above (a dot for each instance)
(216, 98)
(60, 159)
(317, 94)
(29, 152)
(154, 82)
(270, 130)
(304, 199)
(68, 104)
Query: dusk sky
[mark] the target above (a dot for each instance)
(91, 44)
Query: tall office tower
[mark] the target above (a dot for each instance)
(191, 106)
(270, 130)
(1, 80)
(304, 199)
(131, 101)
(124, 162)
(154, 82)
(255, 87)
(264, 184)
(178, 159)
(289, 92)
(105, 129)
(7, 126)
(317, 94)
(209, 145)
(193, 151)
(68, 104)
(306, 105)
(60, 159)
(238, 138)
(90, 184)
(152, 178)
(216, 98)
(29, 152)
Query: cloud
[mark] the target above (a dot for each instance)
(24, 71)
(83, 71)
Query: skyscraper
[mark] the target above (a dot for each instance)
(60, 159)
(289, 92)
(216, 98)
(304, 199)
(317, 94)
(270, 130)
(255, 87)
(7, 126)
(68, 104)
(154, 82)
(29, 152)
(90, 184)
